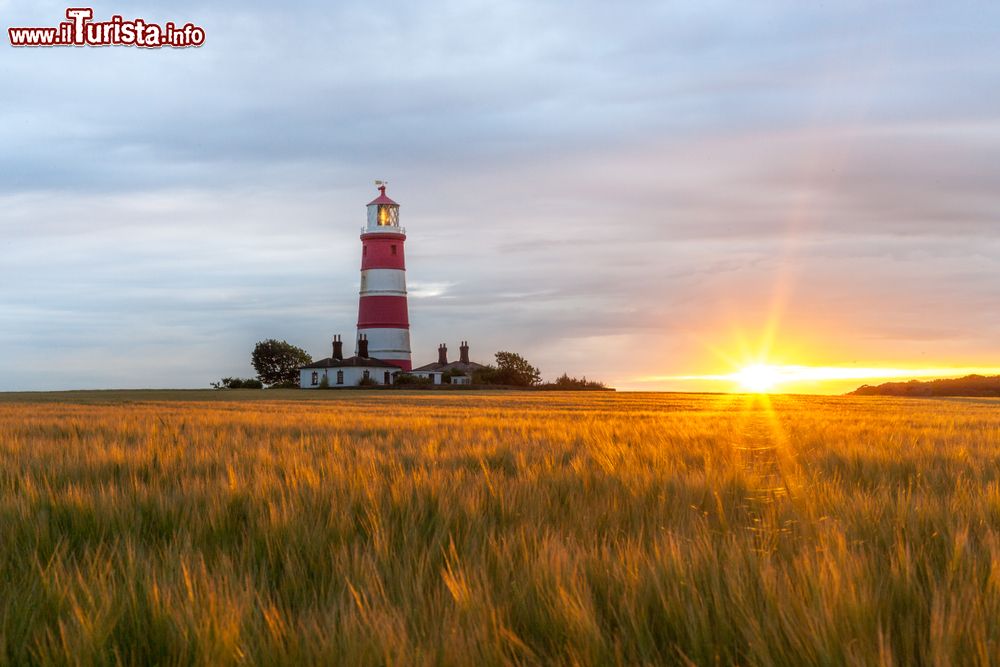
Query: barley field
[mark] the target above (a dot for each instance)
(409, 528)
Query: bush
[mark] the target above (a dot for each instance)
(411, 380)
(367, 382)
(484, 375)
(324, 382)
(285, 385)
(238, 383)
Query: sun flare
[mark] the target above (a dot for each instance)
(763, 378)
(758, 378)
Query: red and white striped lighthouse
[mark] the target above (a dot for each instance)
(382, 313)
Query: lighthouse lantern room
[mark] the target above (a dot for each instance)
(382, 211)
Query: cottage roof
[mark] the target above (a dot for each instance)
(462, 366)
(364, 362)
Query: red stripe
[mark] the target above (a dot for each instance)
(383, 312)
(377, 251)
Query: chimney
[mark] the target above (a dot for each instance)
(464, 351)
(442, 354)
(363, 346)
(338, 348)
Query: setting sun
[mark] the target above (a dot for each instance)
(758, 378)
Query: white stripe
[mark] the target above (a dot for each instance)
(387, 343)
(383, 282)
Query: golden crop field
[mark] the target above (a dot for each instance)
(455, 528)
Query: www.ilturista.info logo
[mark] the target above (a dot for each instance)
(79, 30)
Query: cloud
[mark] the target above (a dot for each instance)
(424, 290)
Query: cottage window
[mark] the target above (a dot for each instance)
(367, 375)
(388, 378)
(340, 377)
(315, 378)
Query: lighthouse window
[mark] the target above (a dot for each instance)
(393, 250)
(388, 215)
(364, 251)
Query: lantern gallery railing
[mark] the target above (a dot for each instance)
(383, 228)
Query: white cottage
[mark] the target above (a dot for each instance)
(336, 371)
(461, 371)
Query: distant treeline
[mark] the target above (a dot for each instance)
(566, 383)
(970, 385)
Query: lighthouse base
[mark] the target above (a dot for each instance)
(392, 345)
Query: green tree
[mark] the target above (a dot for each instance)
(277, 362)
(513, 369)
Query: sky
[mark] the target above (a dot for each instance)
(649, 194)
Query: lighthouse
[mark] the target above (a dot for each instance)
(382, 352)
(383, 319)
